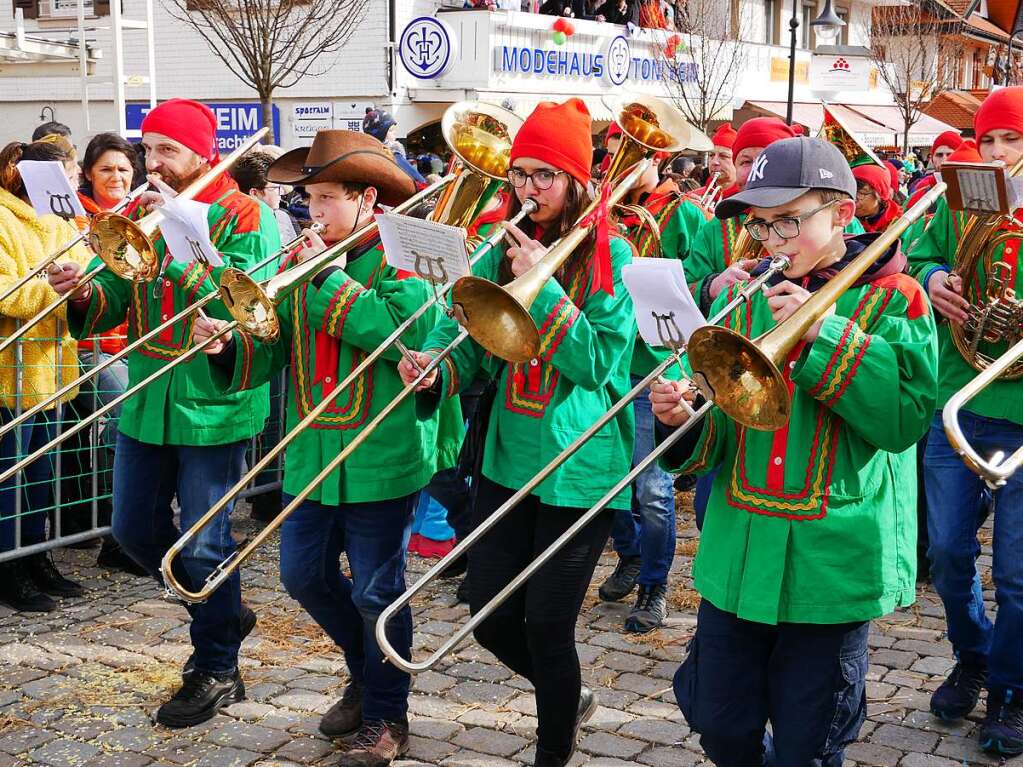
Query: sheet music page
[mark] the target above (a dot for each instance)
(186, 232)
(979, 189)
(49, 190)
(665, 310)
(436, 252)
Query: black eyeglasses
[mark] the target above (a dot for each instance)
(786, 227)
(543, 178)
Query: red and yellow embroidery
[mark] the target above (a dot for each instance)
(341, 303)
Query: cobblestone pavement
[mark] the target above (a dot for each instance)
(79, 686)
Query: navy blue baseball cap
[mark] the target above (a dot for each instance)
(788, 169)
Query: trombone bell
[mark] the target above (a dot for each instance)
(249, 305)
(124, 247)
(741, 378)
(506, 328)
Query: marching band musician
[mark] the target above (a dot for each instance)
(644, 536)
(179, 437)
(807, 535)
(988, 655)
(587, 331)
(720, 163)
(875, 207)
(366, 509)
(47, 362)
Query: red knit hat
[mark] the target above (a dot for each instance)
(967, 152)
(878, 178)
(558, 134)
(724, 136)
(761, 131)
(893, 173)
(1003, 109)
(187, 122)
(949, 138)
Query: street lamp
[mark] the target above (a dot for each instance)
(826, 26)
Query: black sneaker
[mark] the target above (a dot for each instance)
(247, 617)
(113, 557)
(266, 506)
(19, 591)
(462, 592)
(376, 744)
(622, 581)
(1002, 730)
(587, 705)
(650, 609)
(200, 698)
(344, 718)
(48, 579)
(958, 694)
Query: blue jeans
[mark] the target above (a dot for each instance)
(955, 498)
(648, 529)
(808, 680)
(36, 482)
(146, 479)
(374, 536)
(103, 388)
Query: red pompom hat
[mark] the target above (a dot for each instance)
(187, 122)
(762, 132)
(724, 136)
(1003, 110)
(949, 138)
(967, 152)
(558, 134)
(876, 177)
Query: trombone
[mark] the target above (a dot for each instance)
(183, 314)
(997, 469)
(125, 246)
(737, 382)
(224, 294)
(80, 237)
(481, 136)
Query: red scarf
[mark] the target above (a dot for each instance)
(880, 221)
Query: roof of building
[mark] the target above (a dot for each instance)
(956, 108)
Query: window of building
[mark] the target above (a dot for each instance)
(771, 22)
(843, 35)
(809, 13)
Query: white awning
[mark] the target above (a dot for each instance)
(523, 104)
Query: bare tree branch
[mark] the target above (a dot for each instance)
(918, 53)
(271, 44)
(702, 75)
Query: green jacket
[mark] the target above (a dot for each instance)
(713, 251)
(678, 219)
(543, 405)
(933, 251)
(326, 331)
(183, 407)
(816, 522)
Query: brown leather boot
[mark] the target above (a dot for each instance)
(345, 717)
(377, 744)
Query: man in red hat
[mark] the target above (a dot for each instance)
(988, 650)
(720, 164)
(944, 145)
(180, 437)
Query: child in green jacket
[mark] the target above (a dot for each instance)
(810, 529)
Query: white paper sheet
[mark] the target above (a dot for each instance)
(49, 189)
(665, 310)
(436, 252)
(186, 232)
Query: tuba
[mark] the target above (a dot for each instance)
(835, 131)
(995, 314)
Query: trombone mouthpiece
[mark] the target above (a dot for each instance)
(529, 207)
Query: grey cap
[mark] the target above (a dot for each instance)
(788, 169)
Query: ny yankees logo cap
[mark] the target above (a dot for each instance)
(788, 169)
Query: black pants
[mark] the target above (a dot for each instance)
(533, 633)
(809, 680)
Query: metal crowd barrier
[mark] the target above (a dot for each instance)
(75, 503)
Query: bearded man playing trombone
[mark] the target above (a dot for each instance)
(179, 437)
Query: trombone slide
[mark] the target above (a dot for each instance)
(997, 469)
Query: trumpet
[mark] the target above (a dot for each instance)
(125, 246)
(738, 382)
(996, 470)
(224, 570)
(80, 237)
(188, 311)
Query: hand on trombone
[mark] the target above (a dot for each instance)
(946, 292)
(313, 245)
(737, 272)
(412, 365)
(525, 253)
(785, 298)
(205, 327)
(665, 399)
(64, 278)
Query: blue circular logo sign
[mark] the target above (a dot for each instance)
(426, 48)
(617, 60)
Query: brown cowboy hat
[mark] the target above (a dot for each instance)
(339, 156)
